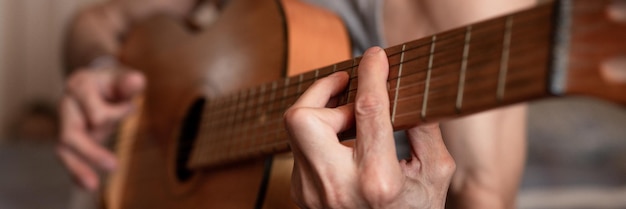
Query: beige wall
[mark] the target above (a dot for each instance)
(2, 20)
(30, 42)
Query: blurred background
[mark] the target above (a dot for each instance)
(576, 155)
(31, 34)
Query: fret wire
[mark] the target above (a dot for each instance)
(514, 73)
(355, 64)
(393, 113)
(271, 105)
(531, 80)
(241, 106)
(279, 120)
(440, 51)
(260, 112)
(428, 73)
(504, 63)
(249, 112)
(488, 59)
(533, 77)
(346, 92)
(522, 72)
(283, 99)
(459, 97)
(318, 74)
(425, 69)
(391, 65)
(448, 75)
(317, 71)
(235, 137)
(300, 83)
(231, 115)
(527, 23)
(244, 113)
(480, 92)
(230, 127)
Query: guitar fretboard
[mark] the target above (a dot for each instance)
(458, 72)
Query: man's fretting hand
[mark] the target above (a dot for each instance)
(328, 174)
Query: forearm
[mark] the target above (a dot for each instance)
(490, 152)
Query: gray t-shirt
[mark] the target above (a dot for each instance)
(363, 18)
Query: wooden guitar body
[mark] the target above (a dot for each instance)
(252, 42)
(185, 147)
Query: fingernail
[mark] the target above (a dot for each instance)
(338, 74)
(372, 51)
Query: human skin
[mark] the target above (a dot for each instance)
(329, 174)
(488, 148)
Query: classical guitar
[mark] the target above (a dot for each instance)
(210, 131)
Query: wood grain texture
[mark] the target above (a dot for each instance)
(459, 72)
(463, 69)
(595, 38)
(246, 46)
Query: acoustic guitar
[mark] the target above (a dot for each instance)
(209, 133)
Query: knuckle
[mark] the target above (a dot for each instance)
(296, 116)
(378, 191)
(446, 167)
(368, 106)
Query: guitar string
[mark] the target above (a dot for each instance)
(277, 130)
(284, 98)
(413, 84)
(479, 90)
(457, 32)
(532, 79)
(476, 64)
(412, 72)
(343, 69)
(253, 149)
(350, 67)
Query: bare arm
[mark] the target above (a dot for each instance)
(489, 148)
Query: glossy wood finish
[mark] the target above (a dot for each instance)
(486, 65)
(498, 62)
(595, 38)
(245, 47)
(458, 72)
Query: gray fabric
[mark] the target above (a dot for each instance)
(365, 31)
(363, 18)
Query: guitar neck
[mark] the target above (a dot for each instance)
(482, 66)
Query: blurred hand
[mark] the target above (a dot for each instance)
(328, 174)
(94, 102)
